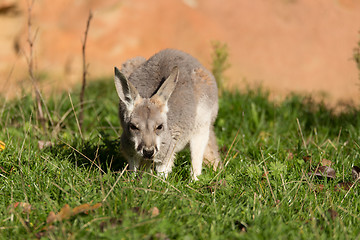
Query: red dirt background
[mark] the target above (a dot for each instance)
(284, 45)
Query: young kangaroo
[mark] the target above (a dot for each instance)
(167, 102)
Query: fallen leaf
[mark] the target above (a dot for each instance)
(80, 209)
(343, 186)
(138, 210)
(65, 213)
(102, 226)
(114, 222)
(333, 214)
(2, 146)
(51, 217)
(317, 187)
(85, 208)
(290, 155)
(39, 235)
(154, 212)
(325, 162)
(307, 158)
(44, 231)
(355, 172)
(265, 174)
(222, 183)
(239, 225)
(95, 206)
(44, 144)
(224, 149)
(324, 171)
(24, 207)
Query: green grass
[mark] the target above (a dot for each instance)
(254, 134)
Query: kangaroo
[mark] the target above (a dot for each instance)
(166, 103)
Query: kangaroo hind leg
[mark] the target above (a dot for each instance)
(211, 154)
(198, 145)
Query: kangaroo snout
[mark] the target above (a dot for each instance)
(147, 149)
(148, 153)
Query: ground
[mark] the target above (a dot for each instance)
(285, 45)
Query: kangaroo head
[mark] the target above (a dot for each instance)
(144, 120)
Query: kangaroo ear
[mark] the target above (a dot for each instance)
(168, 85)
(125, 90)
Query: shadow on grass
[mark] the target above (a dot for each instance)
(88, 154)
(105, 153)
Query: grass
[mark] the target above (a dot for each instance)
(264, 191)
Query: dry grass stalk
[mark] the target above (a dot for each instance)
(82, 93)
(30, 60)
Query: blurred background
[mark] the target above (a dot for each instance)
(302, 46)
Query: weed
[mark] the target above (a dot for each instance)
(220, 63)
(356, 57)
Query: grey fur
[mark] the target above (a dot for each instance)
(167, 102)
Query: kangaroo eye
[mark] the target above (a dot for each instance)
(160, 127)
(133, 127)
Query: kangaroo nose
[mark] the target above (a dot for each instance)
(148, 153)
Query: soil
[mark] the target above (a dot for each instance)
(283, 45)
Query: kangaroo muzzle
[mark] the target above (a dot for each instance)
(148, 153)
